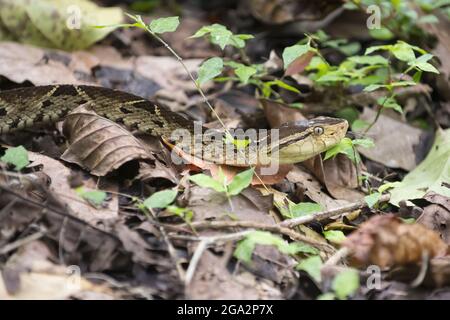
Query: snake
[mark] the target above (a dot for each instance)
(290, 143)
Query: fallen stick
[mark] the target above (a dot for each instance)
(290, 223)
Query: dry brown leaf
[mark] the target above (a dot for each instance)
(338, 174)
(436, 216)
(213, 280)
(148, 172)
(36, 278)
(398, 145)
(440, 30)
(283, 11)
(299, 64)
(60, 185)
(278, 113)
(99, 144)
(170, 76)
(308, 185)
(248, 205)
(20, 63)
(386, 241)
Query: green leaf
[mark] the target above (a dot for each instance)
(304, 208)
(160, 199)
(422, 64)
(335, 236)
(390, 103)
(210, 69)
(377, 48)
(372, 199)
(96, 197)
(312, 266)
(427, 67)
(245, 247)
(345, 146)
(333, 77)
(387, 186)
(163, 25)
(374, 87)
(381, 34)
(403, 51)
(432, 174)
(184, 213)
(205, 181)
(369, 60)
(244, 250)
(346, 283)
(429, 18)
(222, 37)
(284, 85)
(365, 143)
(240, 182)
(17, 156)
(293, 52)
(238, 41)
(359, 124)
(244, 73)
(348, 113)
(297, 247)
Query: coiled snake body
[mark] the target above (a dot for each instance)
(293, 142)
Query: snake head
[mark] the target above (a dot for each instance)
(301, 140)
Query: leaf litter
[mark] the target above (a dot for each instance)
(123, 205)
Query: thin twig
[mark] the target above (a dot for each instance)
(21, 242)
(197, 85)
(290, 223)
(266, 227)
(203, 245)
(172, 252)
(337, 257)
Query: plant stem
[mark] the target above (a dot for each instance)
(197, 85)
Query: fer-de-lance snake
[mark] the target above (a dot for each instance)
(293, 142)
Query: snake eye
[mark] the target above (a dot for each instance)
(318, 131)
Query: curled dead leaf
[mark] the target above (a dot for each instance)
(385, 241)
(338, 174)
(99, 144)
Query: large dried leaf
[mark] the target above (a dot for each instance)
(309, 185)
(385, 241)
(249, 205)
(338, 174)
(432, 174)
(398, 145)
(278, 113)
(29, 275)
(436, 216)
(99, 144)
(20, 63)
(60, 177)
(213, 280)
(442, 49)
